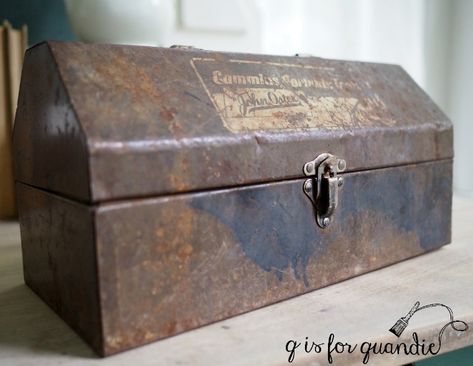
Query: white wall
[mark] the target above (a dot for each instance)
(371, 30)
(431, 39)
(459, 86)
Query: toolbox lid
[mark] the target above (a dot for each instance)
(105, 122)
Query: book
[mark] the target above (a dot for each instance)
(13, 45)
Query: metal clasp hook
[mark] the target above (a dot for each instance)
(322, 188)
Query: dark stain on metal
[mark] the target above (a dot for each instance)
(288, 236)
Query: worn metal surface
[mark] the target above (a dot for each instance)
(59, 262)
(170, 264)
(103, 122)
(162, 189)
(49, 147)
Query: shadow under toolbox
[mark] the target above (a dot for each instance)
(163, 189)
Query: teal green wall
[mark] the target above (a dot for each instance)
(46, 19)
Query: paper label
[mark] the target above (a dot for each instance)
(265, 96)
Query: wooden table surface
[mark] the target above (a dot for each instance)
(358, 310)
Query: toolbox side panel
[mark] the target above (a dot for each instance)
(59, 262)
(49, 147)
(174, 263)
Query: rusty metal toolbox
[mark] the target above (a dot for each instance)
(161, 189)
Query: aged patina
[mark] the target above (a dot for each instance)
(164, 189)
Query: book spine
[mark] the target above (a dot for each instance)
(12, 48)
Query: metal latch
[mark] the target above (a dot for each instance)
(322, 188)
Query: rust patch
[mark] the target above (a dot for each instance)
(167, 114)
